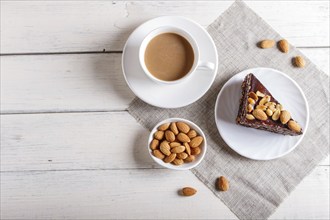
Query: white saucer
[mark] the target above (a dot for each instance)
(257, 144)
(169, 96)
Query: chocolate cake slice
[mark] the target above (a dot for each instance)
(259, 109)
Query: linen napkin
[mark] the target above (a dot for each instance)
(257, 188)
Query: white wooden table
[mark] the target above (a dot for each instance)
(69, 148)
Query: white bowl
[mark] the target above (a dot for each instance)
(184, 166)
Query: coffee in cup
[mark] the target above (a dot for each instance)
(170, 55)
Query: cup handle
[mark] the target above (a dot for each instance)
(205, 65)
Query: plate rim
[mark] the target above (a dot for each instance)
(213, 46)
(307, 115)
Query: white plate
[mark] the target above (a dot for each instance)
(257, 144)
(169, 96)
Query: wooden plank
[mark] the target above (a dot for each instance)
(56, 83)
(313, 189)
(325, 162)
(77, 82)
(307, 28)
(53, 26)
(320, 57)
(138, 194)
(108, 194)
(74, 141)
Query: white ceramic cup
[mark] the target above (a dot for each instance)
(197, 64)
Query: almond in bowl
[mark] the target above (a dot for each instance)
(177, 144)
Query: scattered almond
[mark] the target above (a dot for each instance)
(189, 159)
(192, 133)
(177, 161)
(294, 126)
(174, 144)
(188, 149)
(299, 61)
(159, 135)
(158, 154)
(174, 128)
(164, 127)
(178, 149)
(170, 158)
(266, 43)
(182, 155)
(223, 183)
(285, 116)
(183, 127)
(195, 151)
(165, 148)
(154, 144)
(188, 191)
(165, 144)
(283, 45)
(183, 137)
(170, 136)
(259, 114)
(196, 141)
